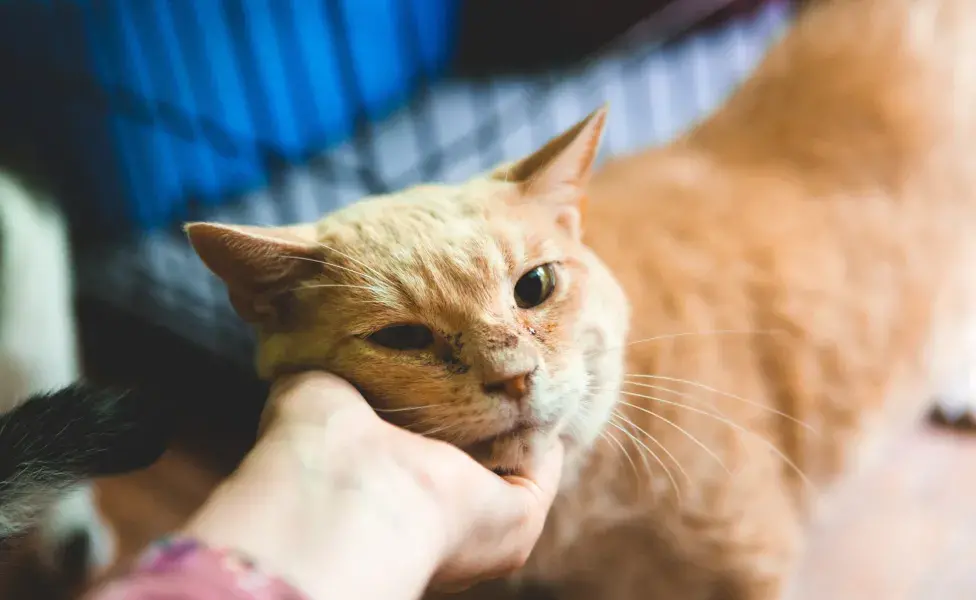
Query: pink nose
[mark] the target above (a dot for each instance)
(515, 387)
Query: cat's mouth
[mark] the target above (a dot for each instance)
(519, 431)
(523, 428)
(516, 437)
(505, 453)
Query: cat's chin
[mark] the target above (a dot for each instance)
(512, 452)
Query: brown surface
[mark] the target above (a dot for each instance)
(147, 505)
(142, 507)
(910, 534)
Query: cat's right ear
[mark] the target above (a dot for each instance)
(564, 161)
(258, 264)
(556, 174)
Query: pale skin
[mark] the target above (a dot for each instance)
(332, 497)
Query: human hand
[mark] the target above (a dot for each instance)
(475, 524)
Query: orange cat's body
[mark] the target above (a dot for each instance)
(825, 220)
(797, 278)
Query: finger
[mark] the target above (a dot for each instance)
(322, 389)
(543, 475)
(314, 397)
(455, 588)
(316, 381)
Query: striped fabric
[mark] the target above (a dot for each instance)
(458, 129)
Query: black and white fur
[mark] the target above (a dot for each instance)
(55, 435)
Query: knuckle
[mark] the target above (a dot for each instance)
(517, 560)
(525, 519)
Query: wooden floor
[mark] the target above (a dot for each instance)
(908, 534)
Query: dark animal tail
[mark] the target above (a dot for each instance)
(61, 438)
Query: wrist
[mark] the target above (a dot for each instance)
(323, 525)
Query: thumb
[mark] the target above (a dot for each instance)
(543, 475)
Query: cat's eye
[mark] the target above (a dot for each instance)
(403, 337)
(535, 287)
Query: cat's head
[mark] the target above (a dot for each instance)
(472, 313)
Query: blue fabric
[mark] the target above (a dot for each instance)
(180, 101)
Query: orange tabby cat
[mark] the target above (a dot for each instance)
(745, 307)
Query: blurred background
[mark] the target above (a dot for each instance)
(138, 115)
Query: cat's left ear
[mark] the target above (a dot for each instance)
(559, 171)
(258, 264)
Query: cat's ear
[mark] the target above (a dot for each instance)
(565, 161)
(258, 264)
(558, 172)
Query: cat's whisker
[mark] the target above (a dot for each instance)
(605, 436)
(702, 386)
(671, 336)
(379, 302)
(630, 459)
(667, 471)
(691, 437)
(572, 426)
(656, 442)
(405, 408)
(431, 432)
(437, 419)
(358, 262)
(707, 406)
(316, 286)
(336, 266)
(618, 390)
(347, 286)
(643, 455)
(728, 422)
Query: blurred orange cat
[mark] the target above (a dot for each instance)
(720, 333)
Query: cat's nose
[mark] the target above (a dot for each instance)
(515, 387)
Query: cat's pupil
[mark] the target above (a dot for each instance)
(403, 337)
(533, 288)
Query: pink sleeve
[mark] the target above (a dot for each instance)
(186, 570)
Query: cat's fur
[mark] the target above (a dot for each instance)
(55, 434)
(792, 277)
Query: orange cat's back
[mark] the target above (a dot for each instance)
(831, 201)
